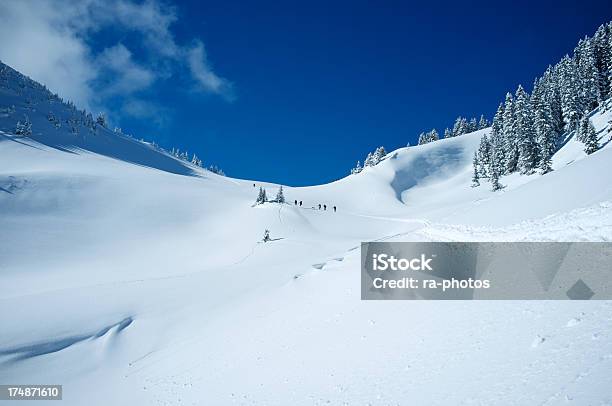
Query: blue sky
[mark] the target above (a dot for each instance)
(295, 92)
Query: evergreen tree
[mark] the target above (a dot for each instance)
(369, 161)
(89, 121)
(433, 135)
(569, 86)
(24, 127)
(475, 176)
(196, 161)
(544, 133)
(448, 133)
(528, 151)
(459, 127)
(422, 139)
(582, 129)
(357, 168)
(472, 125)
(101, 120)
(484, 156)
(495, 172)
(430, 136)
(607, 87)
(483, 122)
(588, 74)
(464, 126)
(498, 120)
(261, 197)
(510, 147)
(552, 97)
(280, 197)
(590, 138)
(602, 49)
(216, 169)
(266, 236)
(379, 154)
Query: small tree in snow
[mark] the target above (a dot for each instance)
(357, 168)
(427, 137)
(475, 176)
(261, 197)
(379, 154)
(581, 129)
(196, 161)
(280, 197)
(101, 120)
(483, 123)
(266, 236)
(24, 127)
(216, 169)
(495, 172)
(472, 125)
(589, 137)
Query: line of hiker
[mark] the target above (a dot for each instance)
(295, 202)
(324, 206)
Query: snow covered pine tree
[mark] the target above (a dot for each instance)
(280, 197)
(475, 176)
(24, 127)
(589, 137)
(261, 197)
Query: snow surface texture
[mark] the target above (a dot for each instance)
(134, 278)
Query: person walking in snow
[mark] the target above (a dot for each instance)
(334, 209)
(300, 203)
(295, 202)
(319, 206)
(324, 207)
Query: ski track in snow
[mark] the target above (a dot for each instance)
(592, 223)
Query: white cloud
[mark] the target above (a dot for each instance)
(144, 109)
(201, 71)
(35, 41)
(153, 20)
(128, 76)
(50, 41)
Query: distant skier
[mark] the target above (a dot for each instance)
(334, 209)
(319, 206)
(300, 203)
(295, 202)
(253, 185)
(324, 207)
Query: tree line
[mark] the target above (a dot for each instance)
(64, 114)
(461, 126)
(529, 128)
(372, 159)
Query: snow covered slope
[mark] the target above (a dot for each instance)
(132, 277)
(62, 126)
